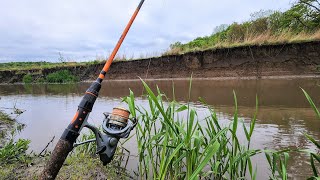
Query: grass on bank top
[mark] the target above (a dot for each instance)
(62, 63)
(266, 38)
(43, 65)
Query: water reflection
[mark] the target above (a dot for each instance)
(271, 92)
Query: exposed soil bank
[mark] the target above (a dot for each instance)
(295, 59)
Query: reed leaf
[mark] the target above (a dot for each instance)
(169, 160)
(312, 103)
(210, 151)
(160, 107)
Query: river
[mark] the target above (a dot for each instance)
(284, 113)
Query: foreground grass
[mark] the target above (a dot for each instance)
(84, 166)
(82, 163)
(80, 166)
(16, 163)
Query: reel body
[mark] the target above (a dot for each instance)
(116, 125)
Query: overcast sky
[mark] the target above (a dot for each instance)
(33, 30)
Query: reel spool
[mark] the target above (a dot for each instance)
(118, 123)
(118, 118)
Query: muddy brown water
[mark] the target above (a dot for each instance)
(284, 113)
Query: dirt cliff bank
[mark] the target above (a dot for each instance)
(246, 61)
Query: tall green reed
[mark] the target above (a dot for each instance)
(174, 144)
(171, 148)
(314, 156)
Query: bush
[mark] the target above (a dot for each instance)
(63, 76)
(14, 152)
(27, 79)
(41, 80)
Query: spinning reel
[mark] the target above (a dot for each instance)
(116, 125)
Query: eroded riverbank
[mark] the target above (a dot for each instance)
(292, 59)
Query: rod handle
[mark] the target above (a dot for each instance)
(57, 159)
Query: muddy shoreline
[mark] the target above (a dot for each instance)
(264, 61)
(6, 125)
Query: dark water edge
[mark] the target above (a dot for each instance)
(284, 113)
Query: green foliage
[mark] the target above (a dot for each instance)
(40, 80)
(63, 76)
(27, 79)
(175, 45)
(14, 152)
(278, 162)
(88, 148)
(302, 17)
(87, 166)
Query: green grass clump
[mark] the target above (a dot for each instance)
(27, 79)
(40, 80)
(12, 157)
(63, 76)
(14, 152)
(87, 166)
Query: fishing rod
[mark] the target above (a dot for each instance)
(116, 125)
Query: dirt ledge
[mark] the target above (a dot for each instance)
(292, 59)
